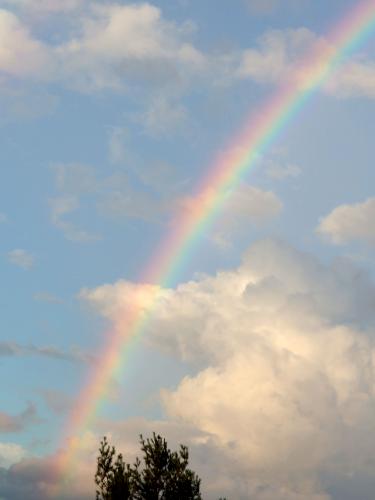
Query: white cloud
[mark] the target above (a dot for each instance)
(284, 362)
(20, 54)
(128, 43)
(3, 218)
(21, 258)
(122, 47)
(120, 31)
(348, 223)
(11, 453)
(112, 46)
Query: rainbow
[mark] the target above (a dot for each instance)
(222, 177)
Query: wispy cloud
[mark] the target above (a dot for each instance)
(75, 178)
(118, 145)
(44, 7)
(262, 6)
(162, 117)
(147, 192)
(280, 172)
(57, 401)
(15, 349)
(266, 7)
(21, 258)
(17, 423)
(47, 297)
(60, 208)
(244, 207)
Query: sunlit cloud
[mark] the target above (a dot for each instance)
(348, 223)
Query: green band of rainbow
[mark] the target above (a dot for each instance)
(224, 175)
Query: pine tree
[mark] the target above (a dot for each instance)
(162, 475)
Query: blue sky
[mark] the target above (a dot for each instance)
(110, 115)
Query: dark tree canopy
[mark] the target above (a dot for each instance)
(161, 475)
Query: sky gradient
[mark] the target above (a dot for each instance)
(263, 346)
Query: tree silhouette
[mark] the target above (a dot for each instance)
(163, 474)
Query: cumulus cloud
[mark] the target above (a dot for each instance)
(131, 42)
(114, 45)
(17, 423)
(348, 223)
(121, 47)
(133, 39)
(20, 54)
(21, 258)
(284, 362)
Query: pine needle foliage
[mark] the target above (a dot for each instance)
(161, 475)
